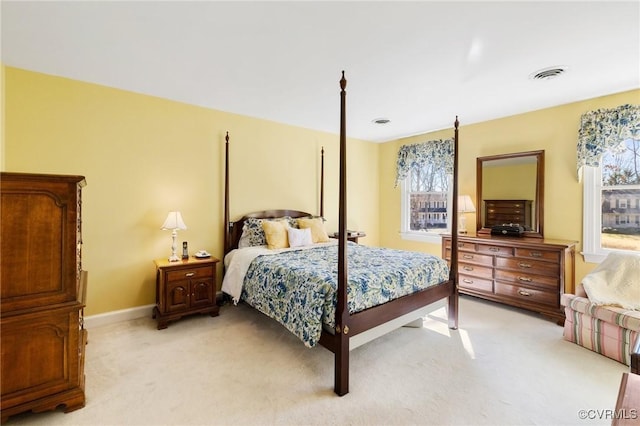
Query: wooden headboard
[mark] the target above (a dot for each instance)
(234, 231)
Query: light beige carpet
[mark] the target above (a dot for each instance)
(503, 366)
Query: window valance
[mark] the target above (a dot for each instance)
(438, 152)
(604, 129)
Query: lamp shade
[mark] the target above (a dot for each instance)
(465, 205)
(174, 221)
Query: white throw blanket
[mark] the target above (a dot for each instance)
(616, 281)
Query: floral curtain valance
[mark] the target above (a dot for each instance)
(438, 152)
(604, 129)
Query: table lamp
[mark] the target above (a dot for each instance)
(173, 222)
(465, 205)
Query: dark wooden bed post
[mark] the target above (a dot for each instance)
(227, 234)
(453, 271)
(341, 360)
(322, 182)
(348, 325)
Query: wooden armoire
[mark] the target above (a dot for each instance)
(43, 291)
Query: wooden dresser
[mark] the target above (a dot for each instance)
(42, 293)
(529, 273)
(499, 212)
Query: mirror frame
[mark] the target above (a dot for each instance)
(539, 209)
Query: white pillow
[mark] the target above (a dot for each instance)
(299, 237)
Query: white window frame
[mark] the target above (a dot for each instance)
(405, 214)
(592, 249)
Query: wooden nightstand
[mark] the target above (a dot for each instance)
(183, 288)
(352, 237)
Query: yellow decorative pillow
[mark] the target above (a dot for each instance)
(316, 224)
(275, 232)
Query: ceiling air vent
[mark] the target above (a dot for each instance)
(548, 73)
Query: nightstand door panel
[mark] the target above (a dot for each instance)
(177, 296)
(201, 292)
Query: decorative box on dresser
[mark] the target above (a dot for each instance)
(529, 273)
(499, 212)
(183, 288)
(42, 293)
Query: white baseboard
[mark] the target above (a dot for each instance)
(93, 321)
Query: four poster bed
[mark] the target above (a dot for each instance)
(295, 281)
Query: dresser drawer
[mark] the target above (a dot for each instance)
(551, 256)
(506, 204)
(478, 259)
(495, 250)
(190, 273)
(475, 270)
(475, 283)
(527, 294)
(523, 272)
(502, 218)
(528, 265)
(525, 278)
(462, 245)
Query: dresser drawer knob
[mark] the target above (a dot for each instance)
(535, 254)
(524, 293)
(524, 265)
(467, 256)
(525, 279)
(189, 274)
(467, 281)
(468, 268)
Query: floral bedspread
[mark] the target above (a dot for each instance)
(298, 288)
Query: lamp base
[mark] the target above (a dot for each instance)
(174, 257)
(462, 224)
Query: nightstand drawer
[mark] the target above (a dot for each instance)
(190, 273)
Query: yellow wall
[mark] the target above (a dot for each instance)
(555, 130)
(509, 182)
(144, 156)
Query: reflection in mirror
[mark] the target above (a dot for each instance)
(510, 191)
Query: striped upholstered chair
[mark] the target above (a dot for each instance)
(635, 357)
(607, 330)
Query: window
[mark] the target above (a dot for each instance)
(426, 195)
(609, 161)
(425, 175)
(612, 202)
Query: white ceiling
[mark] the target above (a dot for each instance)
(417, 63)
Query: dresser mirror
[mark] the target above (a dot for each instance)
(510, 190)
